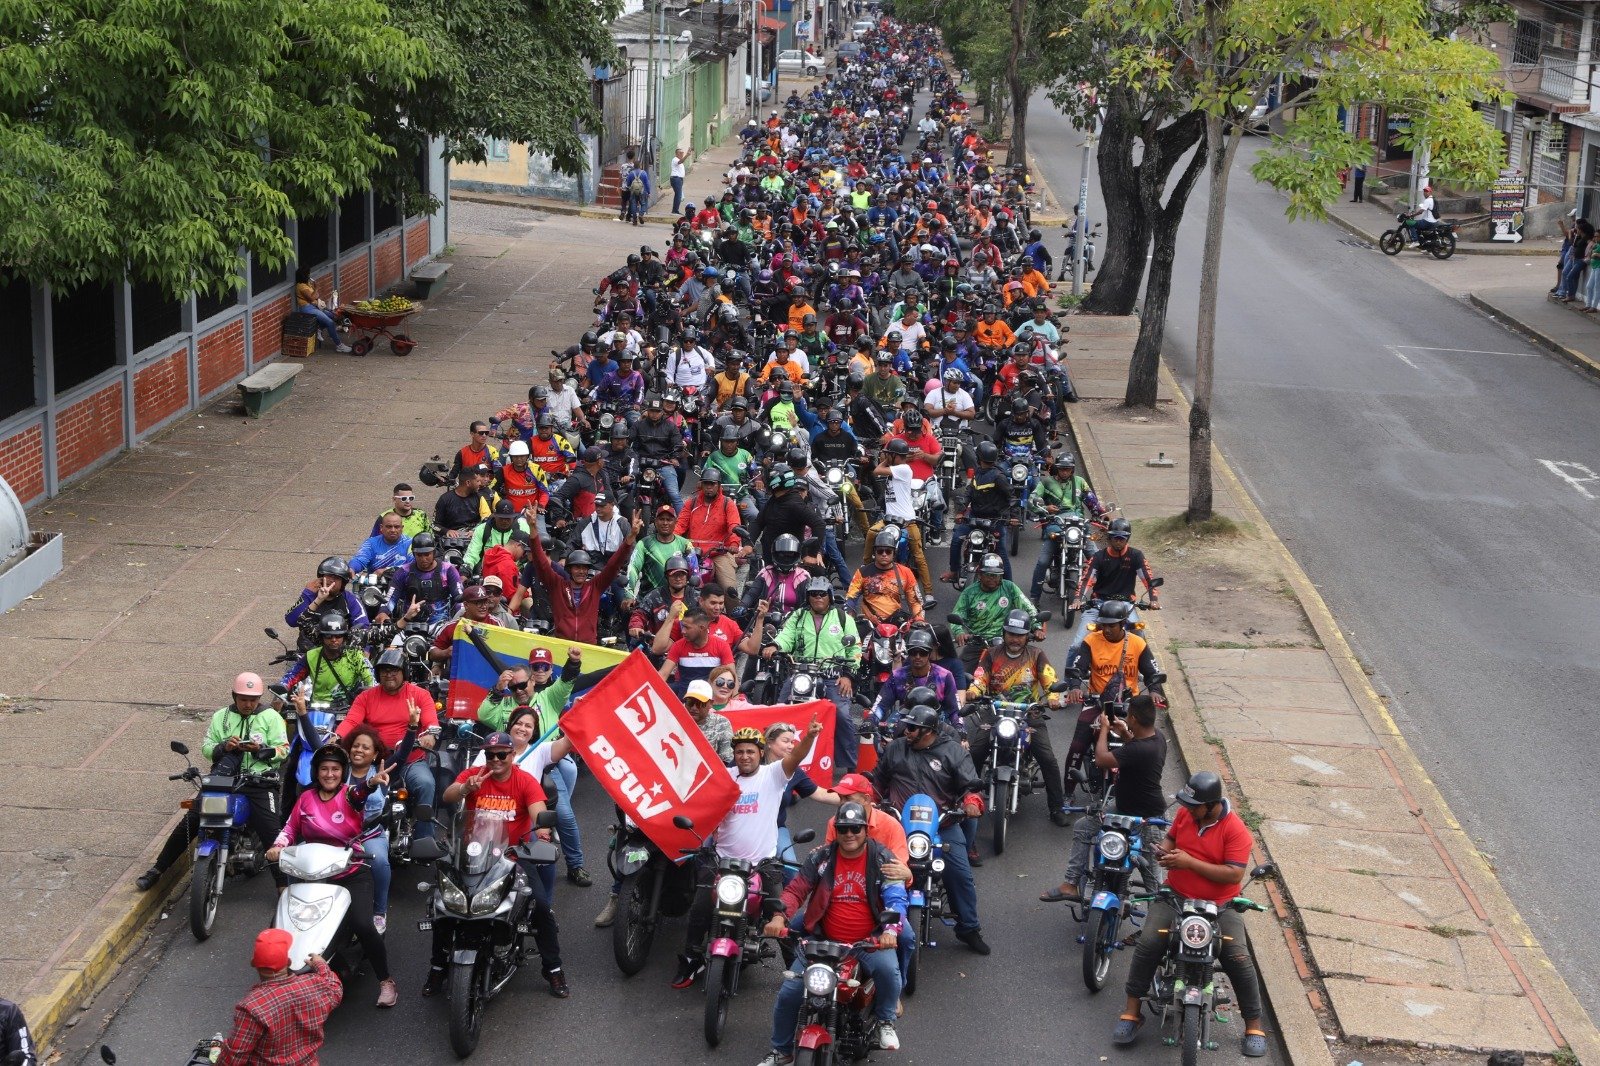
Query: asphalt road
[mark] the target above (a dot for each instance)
(1429, 470)
(1024, 1003)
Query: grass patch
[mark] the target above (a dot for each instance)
(1070, 300)
(1366, 873)
(1307, 782)
(1450, 932)
(1175, 529)
(1248, 815)
(1565, 1056)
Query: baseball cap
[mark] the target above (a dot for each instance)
(665, 508)
(654, 404)
(497, 741)
(522, 537)
(492, 581)
(474, 594)
(601, 498)
(484, 470)
(698, 690)
(272, 949)
(541, 656)
(505, 508)
(518, 447)
(854, 785)
(592, 454)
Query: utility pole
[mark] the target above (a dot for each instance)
(650, 103)
(1080, 228)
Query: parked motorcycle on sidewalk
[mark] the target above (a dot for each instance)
(225, 843)
(1439, 240)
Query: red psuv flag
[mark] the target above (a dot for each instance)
(818, 764)
(649, 755)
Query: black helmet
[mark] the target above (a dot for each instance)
(987, 452)
(589, 340)
(1120, 527)
(1114, 613)
(808, 320)
(619, 429)
(730, 433)
(887, 538)
(856, 380)
(545, 421)
(711, 476)
(1064, 459)
(423, 542)
(922, 695)
(912, 420)
(1017, 622)
(798, 459)
(1019, 406)
(898, 446)
(333, 624)
(633, 260)
(579, 557)
(335, 566)
(1203, 787)
(922, 640)
(391, 658)
(691, 334)
(677, 562)
(330, 753)
(921, 715)
(1035, 235)
(852, 815)
(992, 563)
(786, 552)
(819, 586)
(541, 393)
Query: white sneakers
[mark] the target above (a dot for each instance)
(380, 923)
(343, 348)
(888, 1039)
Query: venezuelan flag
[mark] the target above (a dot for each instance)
(472, 674)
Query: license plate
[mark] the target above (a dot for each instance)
(1102, 899)
(638, 854)
(425, 925)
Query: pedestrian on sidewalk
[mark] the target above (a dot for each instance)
(1568, 231)
(636, 190)
(281, 1018)
(678, 174)
(1591, 293)
(629, 161)
(1358, 177)
(1577, 261)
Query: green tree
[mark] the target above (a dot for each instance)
(1226, 56)
(157, 139)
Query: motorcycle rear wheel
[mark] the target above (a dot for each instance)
(1444, 245)
(631, 933)
(1099, 941)
(205, 892)
(466, 1009)
(1002, 816)
(1189, 1036)
(993, 408)
(914, 920)
(1391, 242)
(719, 992)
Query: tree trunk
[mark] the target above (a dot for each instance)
(1127, 233)
(1221, 149)
(1017, 86)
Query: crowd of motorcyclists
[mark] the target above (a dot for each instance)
(852, 342)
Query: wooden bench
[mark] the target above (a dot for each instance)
(428, 276)
(267, 387)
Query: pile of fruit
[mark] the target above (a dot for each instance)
(389, 305)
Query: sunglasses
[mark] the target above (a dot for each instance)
(726, 682)
(406, 499)
(841, 830)
(480, 433)
(496, 756)
(536, 667)
(518, 686)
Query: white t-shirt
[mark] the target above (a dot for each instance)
(602, 537)
(1426, 207)
(677, 167)
(960, 400)
(897, 494)
(689, 367)
(911, 336)
(750, 831)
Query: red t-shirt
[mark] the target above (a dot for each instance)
(388, 715)
(723, 627)
(508, 799)
(848, 917)
(497, 562)
(1227, 842)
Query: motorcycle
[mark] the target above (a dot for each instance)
(1009, 770)
(653, 886)
(1071, 254)
(1183, 990)
(922, 821)
(836, 1022)
(225, 844)
(1068, 535)
(1113, 858)
(482, 903)
(315, 905)
(1438, 240)
(951, 446)
(836, 474)
(983, 539)
(885, 651)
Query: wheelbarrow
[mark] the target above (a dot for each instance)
(374, 324)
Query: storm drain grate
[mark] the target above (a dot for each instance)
(1355, 242)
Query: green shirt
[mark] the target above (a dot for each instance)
(884, 390)
(649, 563)
(984, 613)
(228, 722)
(734, 467)
(349, 674)
(802, 638)
(495, 710)
(418, 521)
(1067, 495)
(488, 535)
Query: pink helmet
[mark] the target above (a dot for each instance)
(248, 684)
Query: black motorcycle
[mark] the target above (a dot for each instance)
(1438, 240)
(483, 904)
(984, 538)
(1067, 533)
(653, 887)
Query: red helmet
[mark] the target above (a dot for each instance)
(933, 205)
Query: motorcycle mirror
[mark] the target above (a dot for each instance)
(742, 533)
(1160, 678)
(1061, 686)
(425, 849)
(957, 620)
(851, 642)
(179, 747)
(273, 633)
(1266, 869)
(1042, 617)
(1158, 582)
(547, 820)
(804, 836)
(683, 821)
(107, 1056)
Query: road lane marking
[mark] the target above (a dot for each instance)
(1394, 350)
(1462, 351)
(1575, 474)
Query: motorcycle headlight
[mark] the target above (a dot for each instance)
(451, 895)
(880, 649)
(303, 913)
(1006, 729)
(1019, 472)
(214, 805)
(1074, 534)
(976, 539)
(488, 899)
(918, 846)
(608, 420)
(1113, 846)
(1195, 932)
(821, 980)
(835, 476)
(730, 890)
(416, 647)
(803, 685)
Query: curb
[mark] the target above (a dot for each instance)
(1285, 986)
(1461, 249)
(51, 1012)
(1578, 359)
(552, 207)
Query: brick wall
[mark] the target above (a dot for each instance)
(22, 463)
(160, 390)
(89, 430)
(221, 356)
(416, 242)
(354, 279)
(266, 330)
(387, 262)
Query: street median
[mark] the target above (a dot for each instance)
(1390, 926)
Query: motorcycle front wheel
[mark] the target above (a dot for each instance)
(1391, 242)
(818, 1056)
(1002, 818)
(466, 1009)
(205, 892)
(915, 922)
(719, 990)
(1099, 941)
(633, 931)
(1444, 245)
(1189, 1037)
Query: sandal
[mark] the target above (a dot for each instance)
(1055, 895)
(1255, 1044)
(1127, 1030)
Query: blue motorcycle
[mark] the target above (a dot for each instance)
(1118, 847)
(225, 843)
(922, 821)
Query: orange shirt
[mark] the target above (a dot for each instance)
(994, 334)
(1106, 656)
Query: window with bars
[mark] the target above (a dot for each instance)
(1550, 158)
(1525, 43)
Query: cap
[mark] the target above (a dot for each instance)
(518, 447)
(505, 509)
(665, 508)
(492, 581)
(855, 785)
(698, 690)
(474, 594)
(601, 498)
(272, 949)
(592, 454)
(541, 657)
(497, 741)
(485, 470)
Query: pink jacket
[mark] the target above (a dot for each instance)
(338, 821)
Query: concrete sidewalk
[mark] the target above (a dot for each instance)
(1391, 925)
(181, 551)
(1562, 328)
(1370, 218)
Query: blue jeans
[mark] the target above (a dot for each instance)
(418, 777)
(677, 194)
(884, 968)
(786, 852)
(564, 775)
(1591, 296)
(960, 887)
(669, 485)
(325, 322)
(1569, 278)
(835, 558)
(377, 849)
(958, 541)
(846, 743)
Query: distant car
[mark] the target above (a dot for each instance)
(762, 96)
(848, 50)
(795, 61)
(1256, 124)
(862, 26)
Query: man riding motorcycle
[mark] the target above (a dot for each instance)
(919, 680)
(424, 587)
(1061, 490)
(708, 521)
(1112, 574)
(338, 672)
(1110, 662)
(822, 633)
(1019, 673)
(988, 496)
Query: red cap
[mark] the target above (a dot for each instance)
(541, 655)
(272, 949)
(855, 785)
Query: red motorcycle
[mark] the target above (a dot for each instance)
(836, 1021)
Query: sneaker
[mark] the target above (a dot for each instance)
(1061, 818)
(973, 858)
(776, 1058)
(608, 913)
(580, 877)
(690, 967)
(148, 879)
(888, 1039)
(435, 982)
(380, 922)
(388, 994)
(974, 940)
(558, 984)
(344, 348)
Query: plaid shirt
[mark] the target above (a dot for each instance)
(279, 1021)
